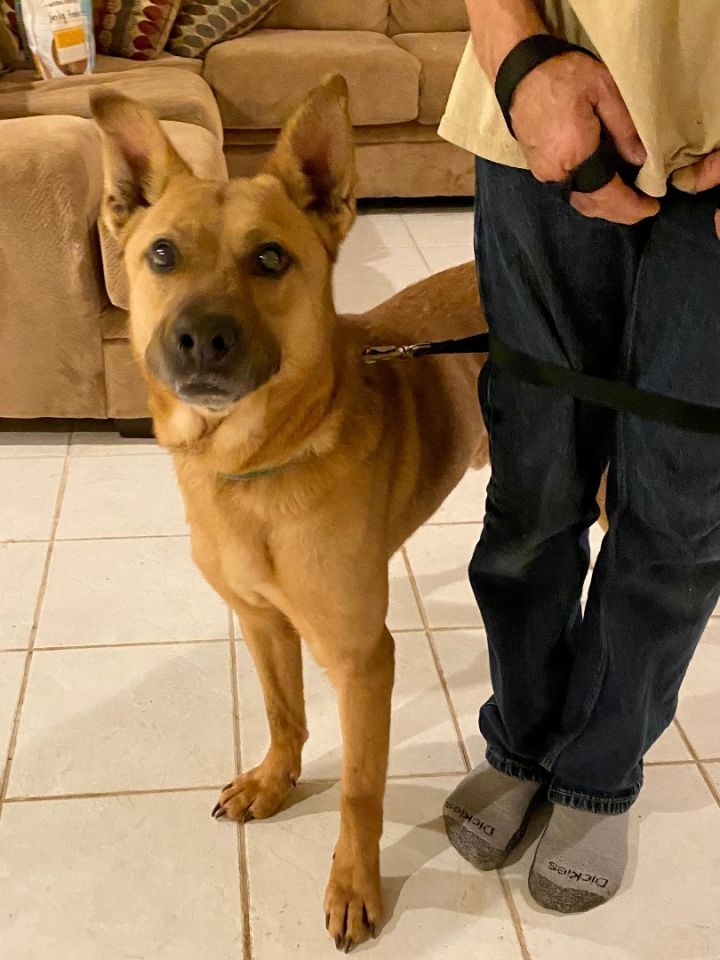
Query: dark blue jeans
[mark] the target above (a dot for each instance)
(578, 700)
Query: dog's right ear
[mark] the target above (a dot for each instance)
(138, 159)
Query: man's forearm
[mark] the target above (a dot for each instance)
(498, 25)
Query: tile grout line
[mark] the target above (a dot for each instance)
(715, 793)
(415, 244)
(400, 632)
(33, 630)
(100, 795)
(206, 788)
(436, 659)
(670, 763)
(514, 915)
(243, 867)
(125, 453)
(121, 645)
(5, 457)
(210, 787)
(124, 536)
(504, 885)
(79, 456)
(419, 248)
(420, 251)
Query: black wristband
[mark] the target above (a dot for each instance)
(523, 58)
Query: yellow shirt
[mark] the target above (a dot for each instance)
(665, 58)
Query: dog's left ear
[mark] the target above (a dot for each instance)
(314, 158)
(138, 159)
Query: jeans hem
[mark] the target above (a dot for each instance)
(521, 770)
(594, 803)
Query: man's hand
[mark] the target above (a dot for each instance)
(558, 111)
(703, 175)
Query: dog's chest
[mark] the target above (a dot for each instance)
(230, 542)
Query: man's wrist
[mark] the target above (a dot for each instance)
(522, 59)
(499, 25)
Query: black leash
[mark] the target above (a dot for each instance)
(614, 394)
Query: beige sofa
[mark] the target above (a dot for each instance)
(63, 327)
(399, 58)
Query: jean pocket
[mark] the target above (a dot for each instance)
(485, 395)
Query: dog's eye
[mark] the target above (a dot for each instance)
(163, 256)
(272, 260)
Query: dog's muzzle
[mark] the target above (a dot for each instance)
(208, 358)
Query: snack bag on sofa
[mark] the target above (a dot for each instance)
(60, 35)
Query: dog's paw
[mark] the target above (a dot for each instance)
(353, 902)
(257, 794)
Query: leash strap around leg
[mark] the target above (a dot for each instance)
(615, 394)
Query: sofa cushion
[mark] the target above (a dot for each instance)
(117, 65)
(136, 29)
(201, 23)
(405, 166)
(164, 59)
(179, 95)
(439, 54)
(427, 16)
(259, 79)
(203, 154)
(330, 15)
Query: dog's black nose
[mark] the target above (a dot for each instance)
(201, 342)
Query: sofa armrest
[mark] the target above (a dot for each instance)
(203, 153)
(177, 95)
(51, 286)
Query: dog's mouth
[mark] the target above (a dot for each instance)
(206, 394)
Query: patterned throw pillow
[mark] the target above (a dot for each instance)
(14, 33)
(201, 23)
(134, 29)
(8, 47)
(9, 17)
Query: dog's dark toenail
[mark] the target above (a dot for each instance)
(215, 809)
(348, 946)
(227, 786)
(338, 942)
(373, 931)
(327, 921)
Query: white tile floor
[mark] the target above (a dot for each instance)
(127, 698)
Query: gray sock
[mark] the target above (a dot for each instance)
(486, 815)
(580, 860)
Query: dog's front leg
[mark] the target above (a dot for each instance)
(363, 677)
(275, 647)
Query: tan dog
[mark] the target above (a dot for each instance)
(302, 468)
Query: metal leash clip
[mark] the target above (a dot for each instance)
(376, 354)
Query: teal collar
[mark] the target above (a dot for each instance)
(251, 475)
(258, 474)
